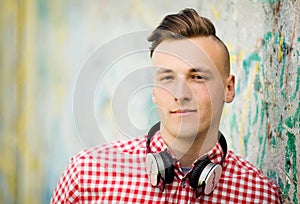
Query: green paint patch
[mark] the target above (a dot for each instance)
(43, 10)
(267, 39)
(233, 126)
(254, 57)
(246, 140)
(255, 119)
(257, 83)
(291, 163)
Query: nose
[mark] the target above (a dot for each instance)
(182, 92)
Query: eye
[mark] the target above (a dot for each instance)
(166, 78)
(198, 77)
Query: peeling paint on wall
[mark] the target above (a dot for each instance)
(269, 113)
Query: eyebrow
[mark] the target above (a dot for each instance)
(200, 69)
(161, 70)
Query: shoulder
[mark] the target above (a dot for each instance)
(131, 146)
(237, 164)
(112, 151)
(96, 166)
(242, 173)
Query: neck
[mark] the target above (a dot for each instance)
(187, 150)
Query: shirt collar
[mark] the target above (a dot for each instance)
(157, 145)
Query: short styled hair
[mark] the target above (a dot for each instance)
(185, 24)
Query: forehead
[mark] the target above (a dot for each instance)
(202, 52)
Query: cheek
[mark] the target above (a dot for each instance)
(202, 96)
(217, 95)
(160, 96)
(209, 97)
(215, 98)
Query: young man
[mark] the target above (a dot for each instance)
(184, 158)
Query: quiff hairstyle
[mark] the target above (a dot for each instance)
(185, 24)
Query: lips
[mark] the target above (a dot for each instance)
(183, 111)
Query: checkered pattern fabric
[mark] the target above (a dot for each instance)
(116, 173)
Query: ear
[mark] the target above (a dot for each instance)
(230, 89)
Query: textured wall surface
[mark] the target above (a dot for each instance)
(43, 47)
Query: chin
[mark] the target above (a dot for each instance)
(186, 130)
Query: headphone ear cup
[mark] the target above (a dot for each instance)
(168, 166)
(197, 170)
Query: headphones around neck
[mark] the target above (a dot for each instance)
(204, 176)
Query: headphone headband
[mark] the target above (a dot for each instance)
(151, 133)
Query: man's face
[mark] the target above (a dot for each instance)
(190, 82)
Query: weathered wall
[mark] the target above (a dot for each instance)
(43, 45)
(263, 122)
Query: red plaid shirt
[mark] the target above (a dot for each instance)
(116, 173)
